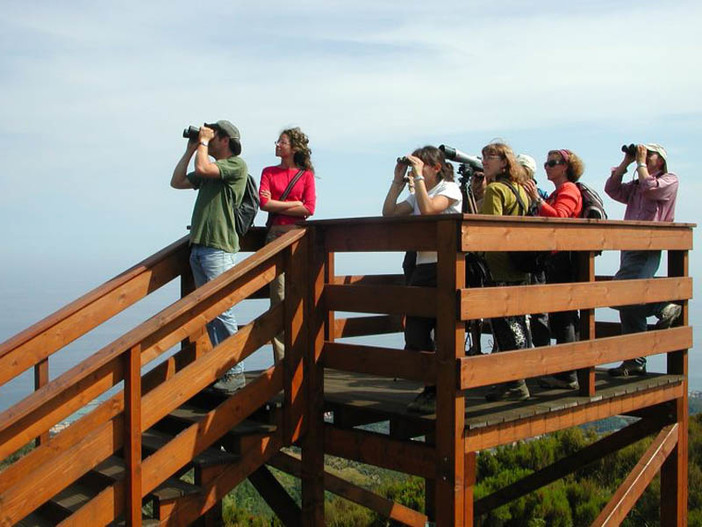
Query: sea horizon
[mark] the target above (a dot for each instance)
(31, 296)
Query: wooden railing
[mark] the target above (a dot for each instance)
(118, 422)
(314, 293)
(451, 449)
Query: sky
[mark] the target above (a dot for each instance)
(94, 96)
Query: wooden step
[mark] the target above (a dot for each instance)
(233, 441)
(113, 469)
(36, 519)
(153, 440)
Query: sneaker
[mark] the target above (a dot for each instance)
(425, 402)
(627, 369)
(668, 315)
(508, 391)
(230, 382)
(559, 383)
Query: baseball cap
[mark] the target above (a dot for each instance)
(658, 149)
(226, 127)
(527, 161)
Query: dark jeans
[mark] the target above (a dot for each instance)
(418, 330)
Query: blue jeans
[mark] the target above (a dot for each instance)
(642, 265)
(207, 264)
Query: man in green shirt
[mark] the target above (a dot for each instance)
(213, 238)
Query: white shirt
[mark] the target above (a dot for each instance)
(452, 191)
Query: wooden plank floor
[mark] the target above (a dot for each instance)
(384, 399)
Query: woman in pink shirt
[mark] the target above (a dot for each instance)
(563, 169)
(287, 193)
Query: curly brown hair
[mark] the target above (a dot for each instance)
(300, 146)
(514, 171)
(575, 165)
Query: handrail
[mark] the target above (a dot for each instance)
(152, 332)
(138, 406)
(69, 323)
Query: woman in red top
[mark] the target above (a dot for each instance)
(287, 193)
(563, 169)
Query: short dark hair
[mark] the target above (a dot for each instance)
(234, 144)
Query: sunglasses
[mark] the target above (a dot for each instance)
(552, 163)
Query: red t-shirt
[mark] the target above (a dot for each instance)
(276, 179)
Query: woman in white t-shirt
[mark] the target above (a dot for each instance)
(435, 192)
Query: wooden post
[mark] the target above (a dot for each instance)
(41, 378)
(312, 476)
(586, 273)
(471, 476)
(450, 403)
(674, 472)
(295, 304)
(132, 435)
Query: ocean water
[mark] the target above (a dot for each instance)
(31, 294)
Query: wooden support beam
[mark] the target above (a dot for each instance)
(336, 485)
(450, 404)
(393, 299)
(132, 434)
(319, 330)
(295, 341)
(484, 370)
(276, 497)
(674, 473)
(410, 457)
(41, 379)
(568, 465)
(636, 482)
(586, 273)
(384, 362)
(491, 302)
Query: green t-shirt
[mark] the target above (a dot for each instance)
(499, 200)
(212, 224)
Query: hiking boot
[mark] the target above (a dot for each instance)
(559, 383)
(668, 315)
(230, 382)
(425, 402)
(508, 391)
(627, 369)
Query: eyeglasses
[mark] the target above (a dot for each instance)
(478, 175)
(281, 143)
(552, 163)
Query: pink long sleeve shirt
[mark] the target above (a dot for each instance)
(650, 200)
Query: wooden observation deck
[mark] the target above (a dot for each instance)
(160, 422)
